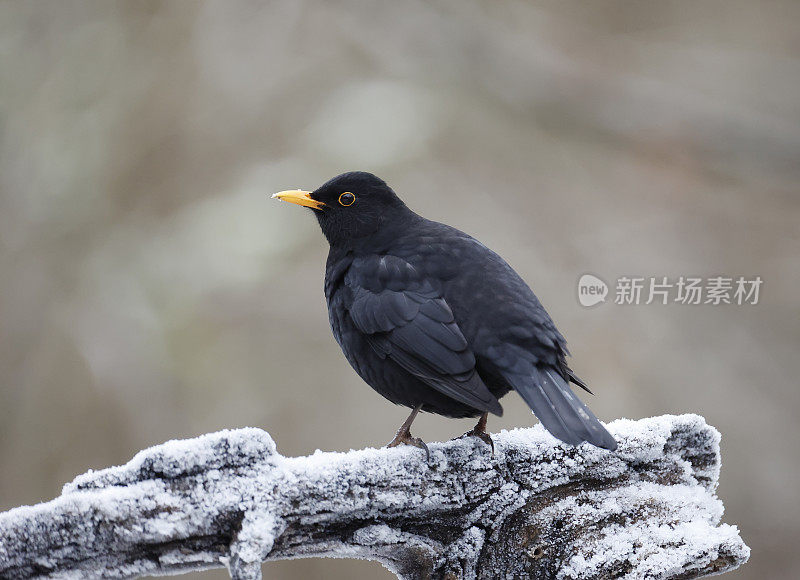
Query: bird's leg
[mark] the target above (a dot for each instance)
(479, 431)
(404, 436)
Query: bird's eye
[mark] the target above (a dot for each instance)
(347, 199)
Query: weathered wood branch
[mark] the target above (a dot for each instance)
(537, 508)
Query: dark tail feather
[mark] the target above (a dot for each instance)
(561, 412)
(578, 381)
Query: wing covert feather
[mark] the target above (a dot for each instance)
(406, 320)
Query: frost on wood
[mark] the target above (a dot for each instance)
(537, 508)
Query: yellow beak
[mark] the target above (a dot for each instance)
(299, 197)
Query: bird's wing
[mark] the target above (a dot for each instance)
(405, 319)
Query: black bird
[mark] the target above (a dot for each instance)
(434, 320)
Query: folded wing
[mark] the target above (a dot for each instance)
(406, 320)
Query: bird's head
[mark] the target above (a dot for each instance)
(350, 206)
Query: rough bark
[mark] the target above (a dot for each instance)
(537, 509)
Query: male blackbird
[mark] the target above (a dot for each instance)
(434, 320)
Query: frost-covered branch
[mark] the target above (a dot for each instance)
(537, 508)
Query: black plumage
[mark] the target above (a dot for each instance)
(434, 320)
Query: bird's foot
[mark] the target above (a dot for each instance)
(404, 436)
(482, 436)
(408, 439)
(479, 431)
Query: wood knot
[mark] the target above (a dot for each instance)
(536, 553)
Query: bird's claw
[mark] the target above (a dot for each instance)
(408, 439)
(404, 436)
(482, 435)
(479, 431)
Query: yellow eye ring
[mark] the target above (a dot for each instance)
(347, 199)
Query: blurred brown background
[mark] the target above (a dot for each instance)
(150, 289)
